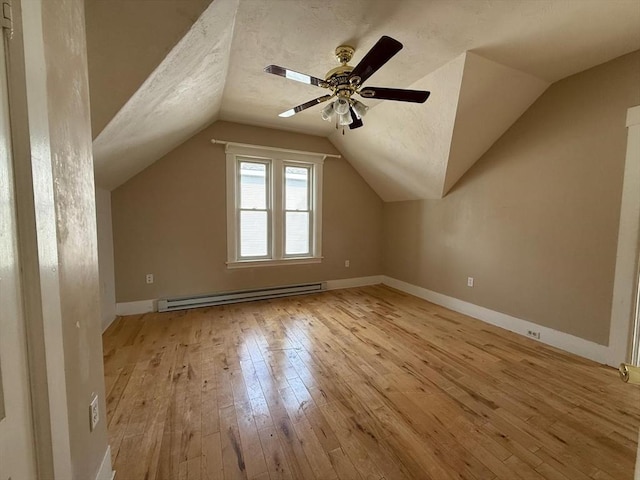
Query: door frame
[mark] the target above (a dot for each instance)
(624, 325)
(37, 245)
(635, 324)
(16, 419)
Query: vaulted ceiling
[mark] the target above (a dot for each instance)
(161, 70)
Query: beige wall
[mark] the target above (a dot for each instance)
(535, 221)
(105, 257)
(170, 220)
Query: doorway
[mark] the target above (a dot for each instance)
(16, 429)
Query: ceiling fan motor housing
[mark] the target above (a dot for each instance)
(341, 71)
(338, 78)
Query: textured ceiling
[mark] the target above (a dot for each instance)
(180, 97)
(403, 151)
(126, 41)
(550, 39)
(420, 151)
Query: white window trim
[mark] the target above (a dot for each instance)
(279, 158)
(269, 206)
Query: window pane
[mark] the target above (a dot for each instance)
(253, 234)
(296, 188)
(253, 185)
(297, 233)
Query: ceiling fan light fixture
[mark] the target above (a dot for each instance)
(327, 112)
(345, 119)
(341, 106)
(360, 108)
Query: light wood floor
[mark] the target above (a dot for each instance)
(363, 383)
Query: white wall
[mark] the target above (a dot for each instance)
(105, 257)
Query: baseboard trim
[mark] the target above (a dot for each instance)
(145, 306)
(353, 282)
(136, 308)
(570, 343)
(105, 472)
(107, 324)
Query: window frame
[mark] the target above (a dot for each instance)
(268, 206)
(310, 208)
(277, 160)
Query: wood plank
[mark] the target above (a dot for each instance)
(212, 457)
(274, 455)
(233, 457)
(343, 466)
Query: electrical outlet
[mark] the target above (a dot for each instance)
(94, 413)
(149, 277)
(533, 334)
(347, 263)
(469, 281)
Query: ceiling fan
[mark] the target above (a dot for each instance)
(345, 81)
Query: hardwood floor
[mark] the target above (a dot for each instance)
(364, 383)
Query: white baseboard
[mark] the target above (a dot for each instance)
(146, 306)
(136, 308)
(353, 282)
(108, 323)
(570, 343)
(105, 472)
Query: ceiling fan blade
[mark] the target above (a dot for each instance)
(304, 106)
(357, 122)
(379, 54)
(398, 94)
(292, 75)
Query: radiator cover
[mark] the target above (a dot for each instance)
(222, 298)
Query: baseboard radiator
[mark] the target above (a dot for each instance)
(222, 298)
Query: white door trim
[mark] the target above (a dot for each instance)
(625, 280)
(38, 241)
(17, 443)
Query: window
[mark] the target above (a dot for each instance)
(297, 210)
(254, 209)
(274, 208)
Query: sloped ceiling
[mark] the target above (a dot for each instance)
(430, 147)
(180, 97)
(126, 41)
(491, 98)
(484, 61)
(390, 151)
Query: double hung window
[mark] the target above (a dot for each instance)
(274, 206)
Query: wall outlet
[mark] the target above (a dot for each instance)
(149, 277)
(469, 281)
(347, 263)
(94, 413)
(533, 334)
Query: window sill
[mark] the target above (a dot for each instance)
(273, 263)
